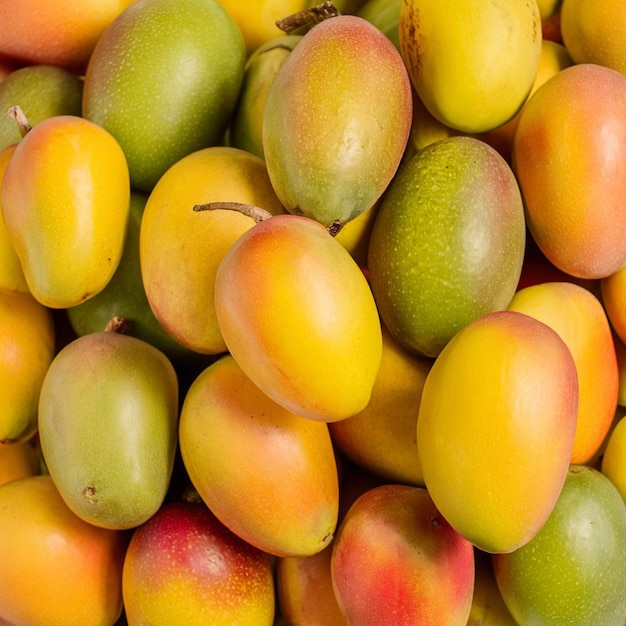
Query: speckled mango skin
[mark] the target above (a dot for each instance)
(337, 119)
(185, 567)
(447, 244)
(568, 154)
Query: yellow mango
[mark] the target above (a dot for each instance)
(472, 62)
(27, 345)
(11, 274)
(496, 428)
(18, 460)
(65, 203)
(267, 474)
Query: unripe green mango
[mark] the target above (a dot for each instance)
(108, 417)
(164, 79)
(448, 242)
(41, 91)
(337, 120)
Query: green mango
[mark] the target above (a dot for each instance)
(125, 297)
(448, 242)
(108, 419)
(246, 130)
(41, 91)
(164, 79)
(337, 120)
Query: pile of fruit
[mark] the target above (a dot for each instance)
(312, 314)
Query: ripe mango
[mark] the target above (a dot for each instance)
(163, 79)
(108, 414)
(27, 347)
(471, 62)
(268, 474)
(298, 316)
(496, 428)
(337, 120)
(65, 203)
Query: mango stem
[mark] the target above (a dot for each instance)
(116, 324)
(308, 18)
(256, 213)
(20, 117)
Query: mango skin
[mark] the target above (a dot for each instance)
(471, 62)
(579, 318)
(568, 152)
(180, 250)
(298, 316)
(65, 203)
(108, 413)
(27, 347)
(396, 559)
(56, 569)
(496, 428)
(337, 120)
(573, 571)
(198, 53)
(448, 242)
(269, 475)
(170, 574)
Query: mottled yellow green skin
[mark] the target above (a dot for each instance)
(573, 571)
(337, 120)
(65, 203)
(472, 62)
(108, 416)
(268, 474)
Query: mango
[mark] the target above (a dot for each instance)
(382, 437)
(198, 54)
(268, 474)
(108, 417)
(56, 569)
(471, 62)
(567, 154)
(573, 571)
(337, 120)
(18, 460)
(27, 347)
(11, 273)
(448, 242)
(125, 296)
(298, 316)
(580, 320)
(65, 203)
(41, 91)
(496, 428)
(396, 559)
(180, 250)
(183, 566)
(613, 463)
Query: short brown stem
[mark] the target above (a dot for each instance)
(256, 213)
(19, 116)
(308, 18)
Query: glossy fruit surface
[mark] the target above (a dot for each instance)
(574, 570)
(298, 316)
(447, 244)
(567, 154)
(395, 555)
(65, 202)
(268, 474)
(108, 414)
(183, 566)
(56, 569)
(496, 428)
(337, 120)
(471, 62)
(613, 464)
(197, 51)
